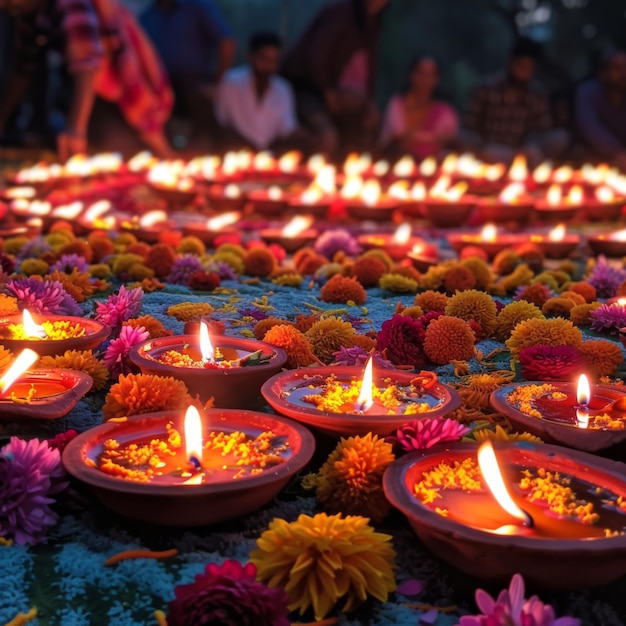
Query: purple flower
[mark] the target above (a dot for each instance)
(358, 356)
(228, 595)
(30, 473)
(425, 433)
(606, 278)
(255, 314)
(224, 271)
(68, 262)
(608, 318)
(34, 249)
(116, 355)
(183, 268)
(333, 241)
(512, 609)
(43, 296)
(551, 362)
(119, 307)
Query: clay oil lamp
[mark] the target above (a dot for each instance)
(169, 181)
(447, 206)
(370, 204)
(357, 165)
(541, 175)
(487, 239)
(410, 199)
(423, 255)
(40, 175)
(203, 168)
(610, 244)
(194, 469)
(263, 166)
(43, 394)
(428, 168)
(343, 401)
(555, 207)
(222, 225)
(563, 175)
(404, 168)
(231, 371)
(487, 180)
(557, 243)
(150, 226)
(604, 206)
(397, 244)
(593, 175)
(24, 192)
(271, 201)
(512, 205)
(24, 209)
(226, 198)
(295, 234)
(311, 201)
(573, 414)
(558, 515)
(289, 163)
(50, 335)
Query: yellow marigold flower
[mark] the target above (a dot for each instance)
(351, 480)
(6, 356)
(137, 394)
(8, 305)
(474, 305)
(328, 335)
(230, 258)
(414, 311)
(125, 239)
(580, 314)
(140, 271)
(12, 245)
(557, 307)
(552, 332)
(288, 279)
(121, 263)
(154, 327)
(397, 283)
(100, 270)
(82, 361)
(188, 311)
(293, 342)
(381, 255)
(431, 301)
(321, 559)
(232, 248)
(521, 275)
(512, 314)
(191, 245)
(505, 261)
(482, 272)
(34, 266)
(499, 434)
(603, 357)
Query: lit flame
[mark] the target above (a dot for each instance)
(232, 191)
(456, 191)
(312, 195)
(31, 328)
(428, 166)
(206, 347)
(96, 210)
(470, 166)
(542, 172)
(38, 207)
(563, 174)
(193, 435)
(490, 471)
(554, 195)
(352, 187)
(296, 225)
(68, 211)
(20, 192)
(289, 161)
(243, 159)
(418, 192)
(274, 193)
(519, 169)
(356, 164)
(141, 161)
(495, 172)
(489, 233)
(619, 235)
(399, 190)
(557, 233)
(315, 163)
(380, 168)
(219, 221)
(604, 194)
(404, 167)
(511, 193)
(263, 161)
(25, 359)
(364, 401)
(583, 391)
(371, 192)
(152, 217)
(402, 234)
(439, 188)
(575, 195)
(449, 163)
(229, 164)
(325, 179)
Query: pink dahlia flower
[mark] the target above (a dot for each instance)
(424, 433)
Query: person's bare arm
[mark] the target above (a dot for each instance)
(74, 139)
(225, 55)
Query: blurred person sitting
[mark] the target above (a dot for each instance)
(415, 122)
(121, 97)
(196, 46)
(333, 70)
(600, 110)
(509, 116)
(254, 106)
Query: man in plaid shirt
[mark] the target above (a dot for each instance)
(507, 116)
(109, 59)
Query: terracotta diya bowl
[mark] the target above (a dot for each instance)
(174, 195)
(231, 387)
(468, 529)
(219, 494)
(261, 202)
(287, 394)
(90, 335)
(448, 214)
(55, 392)
(607, 244)
(546, 212)
(290, 243)
(492, 210)
(604, 211)
(549, 410)
(382, 211)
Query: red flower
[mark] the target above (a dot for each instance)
(58, 442)
(228, 595)
(203, 281)
(551, 362)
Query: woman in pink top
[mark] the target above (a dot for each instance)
(415, 123)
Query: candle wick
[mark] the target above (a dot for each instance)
(529, 522)
(195, 462)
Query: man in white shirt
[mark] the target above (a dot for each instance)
(254, 106)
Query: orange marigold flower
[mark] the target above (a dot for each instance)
(603, 356)
(304, 322)
(474, 305)
(580, 315)
(364, 342)
(259, 262)
(574, 296)
(321, 559)
(343, 289)
(505, 261)
(458, 278)
(82, 361)
(448, 339)
(136, 394)
(154, 327)
(79, 247)
(293, 342)
(482, 272)
(262, 326)
(585, 289)
(368, 270)
(414, 311)
(8, 305)
(77, 284)
(431, 301)
(6, 357)
(161, 258)
(535, 332)
(101, 247)
(189, 311)
(557, 307)
(329, 334)
(381, 255)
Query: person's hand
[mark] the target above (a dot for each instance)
(69, 144)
